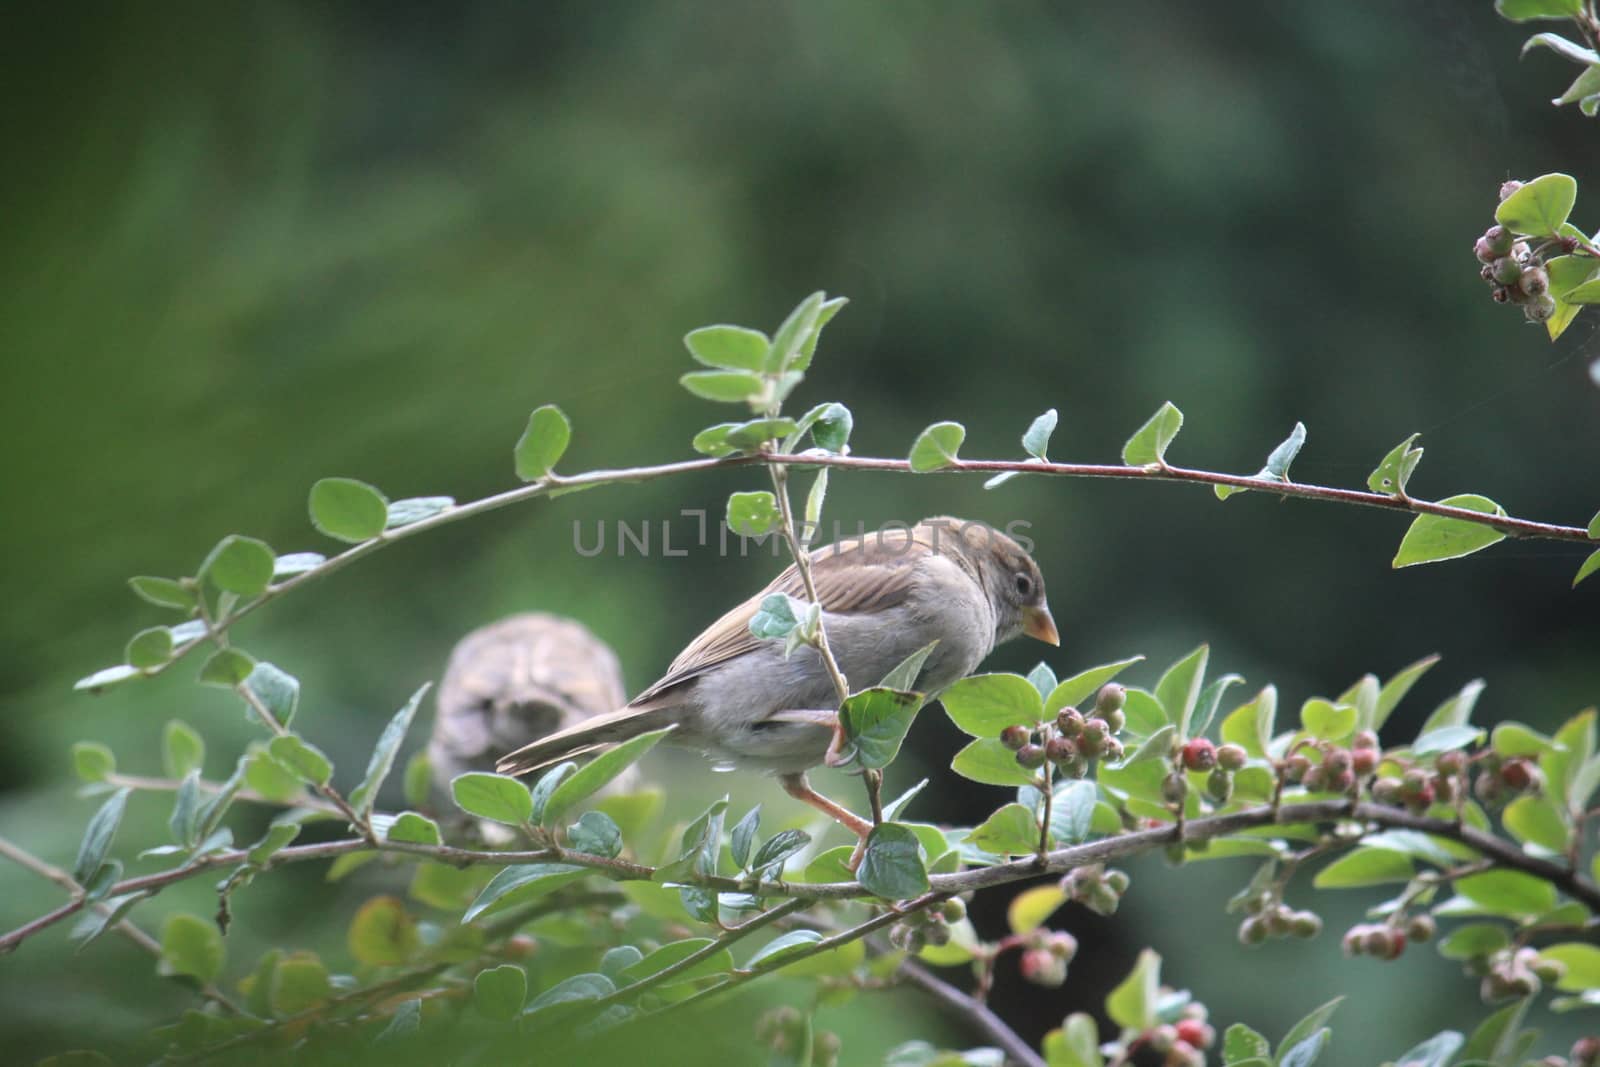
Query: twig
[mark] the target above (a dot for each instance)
(1506, 524)
(802, 563)
(975, 1013)
(125, 927)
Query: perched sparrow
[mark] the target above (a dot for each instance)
(884, 595)
(515, 681)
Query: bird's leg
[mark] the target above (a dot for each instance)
(797, 786)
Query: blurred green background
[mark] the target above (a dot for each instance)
(252, 245)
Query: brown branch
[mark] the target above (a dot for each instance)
(975, 1013)
(1508, 525)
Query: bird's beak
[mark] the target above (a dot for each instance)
(1037, 623)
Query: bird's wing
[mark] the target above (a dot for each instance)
(869, 574)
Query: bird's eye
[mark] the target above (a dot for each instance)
(1024, 585)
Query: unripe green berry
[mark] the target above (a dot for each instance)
(1117, 881)
(1305, 924)
(1316, 779)
(1102, 901)
(1414, 782)
(1534, 281)
(1549, 970)
(1094, 737)
(1386, 791)
(1278, 921)
(1219, 786)
(1061, 945)
(1252, 931)
(1043, 968)
(1069, 721)
(1014, 737)
(1541, 308)
(1421, 928)
(1499, 238)
(954, 910)
(1451, 762)
(1115, 720)
(1110, 698)
(1231, 757)
(937, 933)
(1507, 270)
(1174, 787)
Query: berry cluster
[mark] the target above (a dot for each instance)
(783, 1030)
(1075, 738)
(1181, 1043)
(1501, 780)
(1096, 888)
(1515, 272)
(928, 927)
(1218, 763)
(1045, 957)
(1513, 973)
(1268, 916)
(1338, 769)
(1387, 941)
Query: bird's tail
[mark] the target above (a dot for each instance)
(591, 735)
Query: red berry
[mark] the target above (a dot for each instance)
(1517, 774)
(1199, 754)
(1014, 737)
(1364, 739)
(1031, 756)
(1364, 761)
(1060, 750)
(1196, 1033)
(1296, 767)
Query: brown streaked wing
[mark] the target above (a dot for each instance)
(853, 578)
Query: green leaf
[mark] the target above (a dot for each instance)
(108, 676)
(1524, 10)
(417, 779)
(1432, 538)
(410, 827)
(723, 386)
(182, 750)
(148, 649)
(790, 338)
(1582, 962)
(1590, 565)
(1364, 867)
(522, 882)
(1396, 688)
(808, 346)
(1394, 471)
(185, 819)
(904, 675)
(495, 797)
(1439, 851)
(1075, 1044)
(1082, 686)
(546, 785)
(1445, 738)
(743, 837)
(1564, 48)
(98, 836)
(92, 761)
(1031, 908)
(383, 754)
(415, 509)
(1156, 746)
(1516, 739)
(1043, 679)
(753, 514)
(598, 773)
(728, 347)
(347, 510)
(1037, 437)
(1149, 445)
(1535, 820)
(937, 446)
(226, 667)
(987, 760)
(543, 443)
(1498, 1039)
(750, 436)
(1250, 725)
(1178, 691)
(776, 850)
(985, 704)
(264, 776)
(875, 722)
(830, 425)
(241, 565)
(163, 592)
(891, 866)
(278, 691)
(777, 615)
(297, 563)
(596, 833)
(279, 835)
(1306, 1027)
(1510, 893)
(783, 946)
(1568, 274)
(299, 983)
(302, 759)
(1210, 697)
(1133, 1003)
(1011, 831)
(1326, 721)
(499, 992)
(713, 440)
(1240, 1042)
(1474, 939)
(383, 933)
(673, 952)
(191, 946)
(1072, 812)
(1306, 1052)
(1277, 466)
(1540, 207)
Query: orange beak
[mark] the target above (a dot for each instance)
(1037, 623)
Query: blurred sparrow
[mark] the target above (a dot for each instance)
(737, 698)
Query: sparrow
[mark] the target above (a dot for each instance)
(738, 698)
(514, 681)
